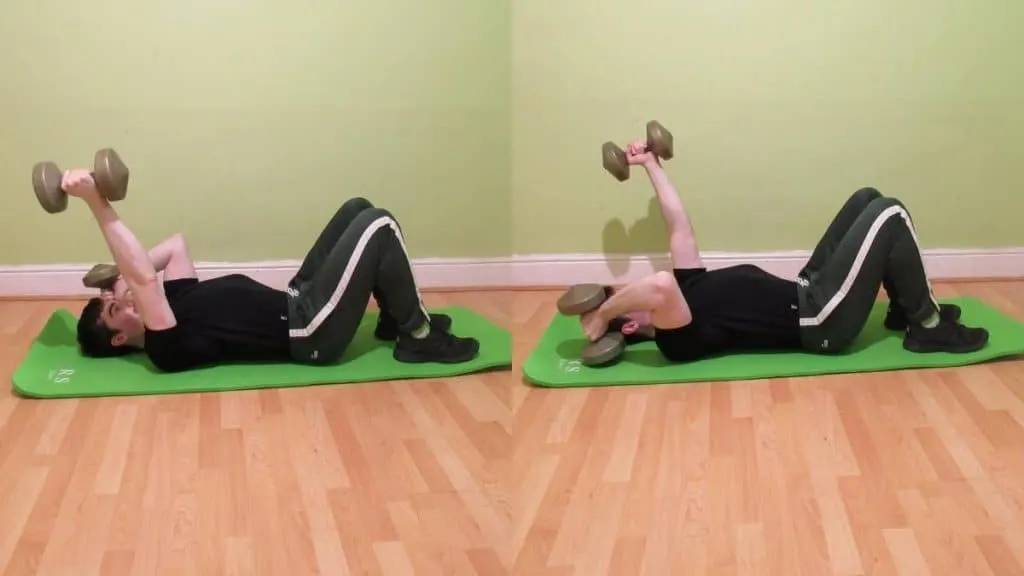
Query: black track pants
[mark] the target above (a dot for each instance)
(361, 252)
(870, 244)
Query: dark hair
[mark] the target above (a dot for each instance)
(94, 336)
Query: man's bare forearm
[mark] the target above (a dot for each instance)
(681, 235)
(672, 209)
(133, 261)
(642, 295)
(162, 253)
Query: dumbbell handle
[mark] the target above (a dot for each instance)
(92, 175)
(106, 154)
(647, 147)
(95, 182)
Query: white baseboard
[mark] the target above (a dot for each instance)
(566, 269)
(61, 280)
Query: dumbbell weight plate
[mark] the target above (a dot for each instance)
(100, 275)
(580, 299)
(606, 350)
(111, 174)
(46, 179)
(615, 162)
(659, 140)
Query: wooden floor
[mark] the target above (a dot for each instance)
(913, 473)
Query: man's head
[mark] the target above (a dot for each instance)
(110, 326)
(635, 326)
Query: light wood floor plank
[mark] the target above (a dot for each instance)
(915, 472)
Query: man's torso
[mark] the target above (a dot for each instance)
(227, 319)
(734, 309)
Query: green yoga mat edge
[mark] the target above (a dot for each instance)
(53, 366)
(548, 367)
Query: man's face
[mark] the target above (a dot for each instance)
(119, 315)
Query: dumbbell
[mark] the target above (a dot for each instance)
(659, 141)
(101, 276)
(577, 301)
(109, 172)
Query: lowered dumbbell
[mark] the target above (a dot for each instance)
(101, 276)
(577, 301)
(109, 172)
(659, 141)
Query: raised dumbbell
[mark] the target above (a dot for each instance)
(583, 298)
(109, 172)
(101, 276)
(659, 141)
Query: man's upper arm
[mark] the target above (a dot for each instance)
(179, 265)
(153, 306)
(683, 247)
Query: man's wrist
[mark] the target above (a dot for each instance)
(95, 201)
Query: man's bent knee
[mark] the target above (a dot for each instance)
(883, 204)
(867, 194)
(377, 218)
(358, 203)
(375, 214)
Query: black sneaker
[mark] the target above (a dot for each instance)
(438, 346)
(945, 337)
(896, 318)
(387, 326)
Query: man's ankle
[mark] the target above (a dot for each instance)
(931, 321)
(421, 332)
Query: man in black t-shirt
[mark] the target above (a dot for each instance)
(183, 323)
(693, 312)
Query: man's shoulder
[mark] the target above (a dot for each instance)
(160, 341)
(164, 347)
(179, 286)
(686, 276)
(176, 349)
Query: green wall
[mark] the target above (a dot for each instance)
(246, 124)
(779, 111)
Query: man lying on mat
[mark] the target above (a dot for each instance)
(693, 312)
(183, 323)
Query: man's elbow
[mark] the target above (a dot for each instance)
(138, 274)
(143, 280)
(666, 296)
(178, 242)
(660, 289)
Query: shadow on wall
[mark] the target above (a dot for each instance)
(646, 237)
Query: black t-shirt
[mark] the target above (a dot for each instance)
(228, 319)
(739, 308)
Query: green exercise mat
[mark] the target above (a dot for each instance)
(54, 367)
(554, 363)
